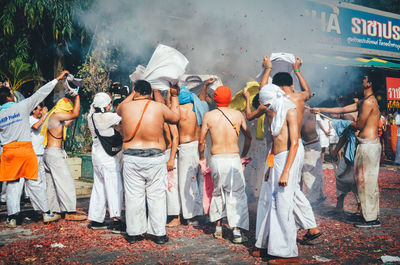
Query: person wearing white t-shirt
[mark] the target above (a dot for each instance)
(107, 186)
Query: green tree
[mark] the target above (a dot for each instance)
(19, 73)
(40, 32)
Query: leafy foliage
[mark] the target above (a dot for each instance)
(19, 73)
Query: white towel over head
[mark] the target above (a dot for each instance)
(273, 96)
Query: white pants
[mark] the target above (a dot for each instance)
(229, 196)
(303, 212)
(107, 191)
(366, 170)
(61, 192)
(191, 180)
(173, 199)
(145, 180)
(277, 229)
(36, 190)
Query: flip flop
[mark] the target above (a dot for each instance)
(308, 237)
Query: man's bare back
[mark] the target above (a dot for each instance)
(224, 138)
(188, 127)
(308, 127)
(57, 121)
(189, 131)
(150, 133)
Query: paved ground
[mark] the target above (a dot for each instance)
(341, 242)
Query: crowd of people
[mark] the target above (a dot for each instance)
(149, 153)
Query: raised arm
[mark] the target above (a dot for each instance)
(158, 97)
(268, 68)
(338, 110)
(43, 92)
(39, 123)
(173, 115)
(247, 139)
(250, 115)
(305, 89)
(203, 93)
(126, 100)
(71, 115)
(294, 145)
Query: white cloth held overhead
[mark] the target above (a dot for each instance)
(273, 96)
(72, 85)
(165, 66)
(281, 62)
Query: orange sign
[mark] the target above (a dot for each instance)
(393, 88)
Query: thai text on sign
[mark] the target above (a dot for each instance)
(393, 88)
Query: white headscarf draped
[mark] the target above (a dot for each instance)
(273, 96)
(101, 100)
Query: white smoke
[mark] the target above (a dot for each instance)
(228, 38)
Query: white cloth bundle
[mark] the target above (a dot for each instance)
(281, 62)
(72, 81)
(273, 96)
(165, 66)
(194, 80)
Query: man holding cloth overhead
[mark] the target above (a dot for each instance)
(278, 228)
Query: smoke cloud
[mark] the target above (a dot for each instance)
(226, 38)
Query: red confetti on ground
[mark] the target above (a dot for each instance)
(341, 242)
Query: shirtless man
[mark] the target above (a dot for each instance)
(229, 197)
(302, 210)
(278, 231)
(366, 161)
(61, 192)
(190, 178)
(144, 161)
(312, 173)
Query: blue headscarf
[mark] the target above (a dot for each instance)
(200, 107)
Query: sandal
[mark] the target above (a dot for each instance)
(308, 237)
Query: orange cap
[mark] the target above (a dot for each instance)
(222, 96)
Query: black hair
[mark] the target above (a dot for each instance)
(143, 87)
(282, 79)
(117, 102)
(4, 93)
(377, 80)
(256, 103)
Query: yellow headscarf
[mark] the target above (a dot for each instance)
(239, 103)
(64, 105)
